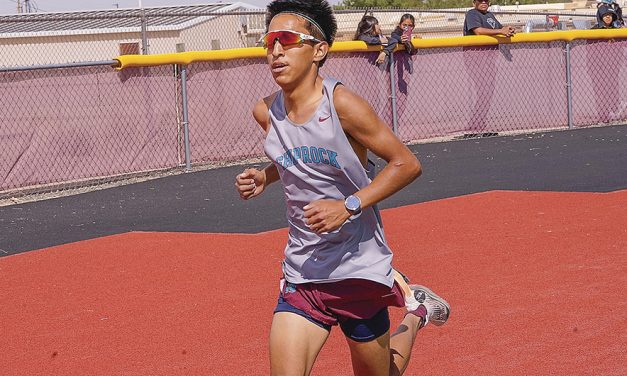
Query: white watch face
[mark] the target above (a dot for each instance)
(352, 203)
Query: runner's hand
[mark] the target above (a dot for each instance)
(250, 183)
(325, 215)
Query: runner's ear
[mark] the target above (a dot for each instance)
(320, 50)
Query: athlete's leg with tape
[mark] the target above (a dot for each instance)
(402, 342)
(294, 344)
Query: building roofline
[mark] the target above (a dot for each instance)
(198, 17)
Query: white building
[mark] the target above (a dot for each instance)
(56, 38)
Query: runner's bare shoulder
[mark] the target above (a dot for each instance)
(261, 111)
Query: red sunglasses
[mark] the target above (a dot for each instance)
(286, 38)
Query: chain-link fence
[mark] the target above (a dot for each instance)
(70, 124)
(60, 38)
(599, 81)
(481, 90)
(63, 125)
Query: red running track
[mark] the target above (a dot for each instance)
(536, 281)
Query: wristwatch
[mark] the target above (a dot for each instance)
(353, 204)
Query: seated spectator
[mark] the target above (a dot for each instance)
(479, 21)
(602, 8)
(369, 31)
(607, 18)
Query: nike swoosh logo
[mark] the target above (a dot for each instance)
(321, 119)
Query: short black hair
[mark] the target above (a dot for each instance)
(320, 11)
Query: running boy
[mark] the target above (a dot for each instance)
(338, 266)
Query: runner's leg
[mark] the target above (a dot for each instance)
(294, 344)
(401, 343)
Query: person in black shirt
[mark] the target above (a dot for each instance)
(481, 22)
(480, 62)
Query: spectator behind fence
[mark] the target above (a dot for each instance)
(369, 31)
(479, 21)
(608, 6)
(607, 18)
(481, 67)
(403, 34)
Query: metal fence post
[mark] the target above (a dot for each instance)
(144, 32)
(393, 96)
(569, 88)
(188, 163)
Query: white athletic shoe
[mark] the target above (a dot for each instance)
(438, 310)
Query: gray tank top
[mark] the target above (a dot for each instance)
(316, 161)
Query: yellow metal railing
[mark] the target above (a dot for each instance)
(186, 58)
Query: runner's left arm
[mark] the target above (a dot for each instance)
(362, 124)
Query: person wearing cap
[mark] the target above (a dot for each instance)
(607, 18)
(602, 8)
(480, 21)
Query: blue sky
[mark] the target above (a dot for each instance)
(10, 6)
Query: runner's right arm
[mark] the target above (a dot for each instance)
(252, 182)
